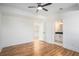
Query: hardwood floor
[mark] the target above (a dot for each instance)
(43, 49)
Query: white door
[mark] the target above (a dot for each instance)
(39, 30)
(38, 37)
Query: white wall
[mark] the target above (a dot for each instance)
(71, 30)
(17, 26)
(15, 30)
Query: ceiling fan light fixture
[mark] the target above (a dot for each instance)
(39, 8)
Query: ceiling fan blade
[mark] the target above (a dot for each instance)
(46, 4)
(32, 7)
(39, 4)
(45, 9)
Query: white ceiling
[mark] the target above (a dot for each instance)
(51, 8)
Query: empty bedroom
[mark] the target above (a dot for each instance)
(39, 29)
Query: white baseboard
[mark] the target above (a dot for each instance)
(58, 44)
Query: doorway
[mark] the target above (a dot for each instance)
(58, 35)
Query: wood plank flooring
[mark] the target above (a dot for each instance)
(44, 49)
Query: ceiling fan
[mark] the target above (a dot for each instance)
(40, 6)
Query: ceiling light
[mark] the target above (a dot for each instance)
(39, 8)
